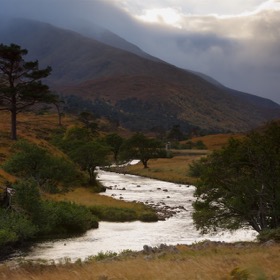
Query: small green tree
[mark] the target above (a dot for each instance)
(115, 142)
(175, 134)
(20, 83)
(141, 147)
(88, 120)
(240, 184)
(90, 155)
(32, 161)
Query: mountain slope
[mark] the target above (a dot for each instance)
(139, 92)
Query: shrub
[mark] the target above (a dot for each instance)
(70, 218)
(101, 256)
(46, 169)
(15, 227)
(269, 234)
(7, 236)
(52, 217)
(148, 216)
(114, 214)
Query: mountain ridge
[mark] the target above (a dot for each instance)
(93, 71)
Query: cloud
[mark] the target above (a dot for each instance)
(241, 51)
(196, 7)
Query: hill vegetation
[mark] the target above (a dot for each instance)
(227, 261)
(37, 177)
(137, 92)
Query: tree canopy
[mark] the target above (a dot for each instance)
(32, 161)
(240, 184)
(141, 147)
(90, 155)
(20, 83)
(115, 142)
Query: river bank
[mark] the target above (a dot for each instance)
(116, 237)
(204, 260)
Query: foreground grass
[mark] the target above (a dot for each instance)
(214, 261)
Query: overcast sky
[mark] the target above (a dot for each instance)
(236, 42)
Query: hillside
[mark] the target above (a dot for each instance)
(139, 92)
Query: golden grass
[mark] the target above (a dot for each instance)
(167, 169)
(213, 262)
(35, 128)
(216, 141)
(84, 196)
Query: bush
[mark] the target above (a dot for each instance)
(15, 227)
(52, 217)
(48, 170)
(114, 214)
(196, 168)
(148, 216)
(7, 236)
(269, 234)
(69, 218)
(117, 214)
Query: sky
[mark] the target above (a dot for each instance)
(236, 42)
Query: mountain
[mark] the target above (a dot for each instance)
(107, 37)
(137, 90)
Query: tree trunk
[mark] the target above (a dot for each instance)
(13, 124)
(145, 163)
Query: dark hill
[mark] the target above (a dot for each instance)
(139, 92)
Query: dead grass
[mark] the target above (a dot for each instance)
(84, 196)
(35, 128)
(216, 141)
(167, 169)
(213, 262)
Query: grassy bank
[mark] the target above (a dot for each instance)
(173, 169)
(201, 261)
(107, 208)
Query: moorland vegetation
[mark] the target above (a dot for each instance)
(54, 162)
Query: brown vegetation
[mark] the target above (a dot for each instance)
(85, 196)
(216, 141)
(200, 261)
(167, 169)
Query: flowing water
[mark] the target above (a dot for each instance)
(116, 237)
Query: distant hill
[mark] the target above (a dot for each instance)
(131, 87)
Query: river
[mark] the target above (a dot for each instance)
(116, 237)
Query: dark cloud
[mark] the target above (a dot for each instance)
(241, 52)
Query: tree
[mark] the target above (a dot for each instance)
(240, 184)
(141, 147)
(59, 103)
(31, 161)
(115, 142)
(175, 133)
(88, 120)
(20, 83)
(90, 155)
